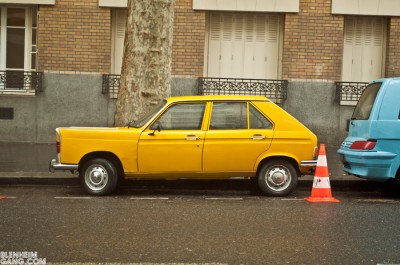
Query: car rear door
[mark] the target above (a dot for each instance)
(238, 134)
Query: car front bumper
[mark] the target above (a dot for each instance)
(55, 165)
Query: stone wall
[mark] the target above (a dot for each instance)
(66, 100)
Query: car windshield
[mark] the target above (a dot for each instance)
(367, 99)
(147, 116)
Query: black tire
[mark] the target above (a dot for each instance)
(392, 188)
(98, 177)
(277, 177)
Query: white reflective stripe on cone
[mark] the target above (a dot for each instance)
(322, 161)
(321, 182)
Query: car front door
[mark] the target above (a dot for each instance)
(238, 134)
(174, 141)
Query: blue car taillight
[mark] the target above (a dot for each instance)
(363, 145)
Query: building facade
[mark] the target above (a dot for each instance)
(60, 61)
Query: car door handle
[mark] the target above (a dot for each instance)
(192, 137)
(258, 137)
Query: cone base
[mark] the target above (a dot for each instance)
(321, 199)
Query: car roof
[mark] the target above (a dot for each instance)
(385, 79)
(217, 98)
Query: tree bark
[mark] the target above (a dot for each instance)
(146, 66)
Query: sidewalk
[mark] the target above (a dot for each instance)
(39, 178)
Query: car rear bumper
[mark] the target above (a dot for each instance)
(55, 165)
(366, 164)
(308, 163)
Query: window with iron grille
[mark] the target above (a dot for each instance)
(18, 50)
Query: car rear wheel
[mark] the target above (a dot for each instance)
(99, 176)
(392, 187)
(277, 178)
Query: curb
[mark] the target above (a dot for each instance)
(39, 181)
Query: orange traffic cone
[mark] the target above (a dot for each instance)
(321, 190)
(2, 197)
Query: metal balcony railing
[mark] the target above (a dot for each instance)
(110, 85)
(12, 82)
(348, 93)
(276, 90)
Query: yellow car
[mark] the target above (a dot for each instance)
(198, 137)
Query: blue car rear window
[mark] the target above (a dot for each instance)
(367, 99)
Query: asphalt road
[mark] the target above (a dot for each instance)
(200, 223)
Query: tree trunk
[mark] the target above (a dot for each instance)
(146, 66)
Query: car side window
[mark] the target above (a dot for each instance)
(229, 115)
(257, 120)
(184, 116)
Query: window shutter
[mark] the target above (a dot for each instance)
(271, 60)
(215, 26)
(273, 31)
(214, 45)
(243, 45)
(119, 20)
(349, 39)
(237, 48)
(260, 68)
(377, 46)
(226, 45)
(363, 48)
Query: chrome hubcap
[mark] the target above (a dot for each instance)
(278, 178)
(96, 177)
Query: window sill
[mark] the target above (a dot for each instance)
(33, 2)
(10, 92)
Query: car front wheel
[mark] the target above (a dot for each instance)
(98, 176)
(277, 178)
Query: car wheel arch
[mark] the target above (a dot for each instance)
(286, 158)
(397, 176)
(114, 159)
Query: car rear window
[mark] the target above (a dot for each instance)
(367, 99)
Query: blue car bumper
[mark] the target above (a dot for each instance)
(374, 165)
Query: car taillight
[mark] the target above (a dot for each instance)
(58, 140)
(315, 152)
(363, 145)
(58, 147)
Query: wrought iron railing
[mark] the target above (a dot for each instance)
(348, 93)
(275, 90)
(20, 82)
(110, 85)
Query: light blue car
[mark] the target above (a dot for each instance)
(372, 148)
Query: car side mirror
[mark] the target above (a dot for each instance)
(155, 127)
